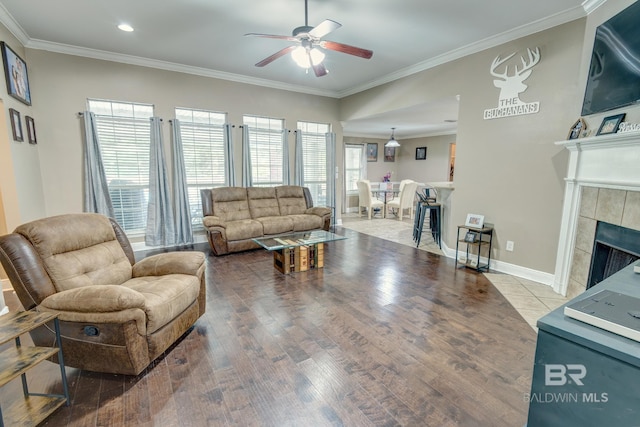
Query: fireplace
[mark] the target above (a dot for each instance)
(602, 186)
(614, 248)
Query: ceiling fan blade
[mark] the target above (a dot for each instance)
(345, 48)
(278, 54)
(272, 36)
(324, 28)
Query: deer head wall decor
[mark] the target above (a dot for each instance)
(512, 85)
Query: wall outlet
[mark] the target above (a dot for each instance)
(509, 246)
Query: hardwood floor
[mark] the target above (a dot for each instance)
(384, 335)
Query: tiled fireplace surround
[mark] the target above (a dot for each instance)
(602, 184)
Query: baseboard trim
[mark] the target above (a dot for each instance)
(512, 269)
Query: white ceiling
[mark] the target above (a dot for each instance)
(206, 37)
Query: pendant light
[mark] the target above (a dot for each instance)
(392, 142)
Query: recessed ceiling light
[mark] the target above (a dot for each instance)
(125, 27)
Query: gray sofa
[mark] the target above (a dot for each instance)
(233, 216)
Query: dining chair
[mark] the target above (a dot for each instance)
(366, 199)
(405, 199)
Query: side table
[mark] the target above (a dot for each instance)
(475, 237)
(17, 360)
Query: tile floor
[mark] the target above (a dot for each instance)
(532, 300)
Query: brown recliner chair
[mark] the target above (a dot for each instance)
(116, 315)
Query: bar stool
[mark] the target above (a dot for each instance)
(427, 204)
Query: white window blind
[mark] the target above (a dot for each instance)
(314, 154)
(265, 140)
(352, 167)
(204, 158)
(124, 134)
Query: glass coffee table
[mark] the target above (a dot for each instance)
(298, 251)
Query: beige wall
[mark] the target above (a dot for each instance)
(20, 180)
(63, 83)
(506, 169)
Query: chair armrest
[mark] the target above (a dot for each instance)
(189, 262)
(319, 210)
(214, 221)
(95, 299)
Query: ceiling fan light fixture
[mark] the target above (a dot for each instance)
(301, 58)
(392, 141)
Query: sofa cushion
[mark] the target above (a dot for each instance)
(244, 229)
(306, 222)
(276, 224)
(78, 250)
(230, 203)
(291, 200)
(263, 202)
(165, 297)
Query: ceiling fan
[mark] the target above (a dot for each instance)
(307, 40)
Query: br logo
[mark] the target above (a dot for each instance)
(555, 375)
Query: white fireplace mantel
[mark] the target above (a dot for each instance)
(605, 161)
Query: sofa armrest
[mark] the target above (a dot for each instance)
(95, 299)
(214, 221)
(319, 210)
(188, 262)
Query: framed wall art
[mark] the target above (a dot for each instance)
(389, 154)
(31, 130)
(421, 153)
(15, 73)
(610, 124)
(372, 151)
(16, 125)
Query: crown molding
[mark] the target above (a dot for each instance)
(505, 37)
(12, 25)
(586, 8)
(171, 66)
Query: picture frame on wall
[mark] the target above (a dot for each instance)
(389, 154)
(372, 151)
(31, 130)
(16, 125)
(610, 124)
(16, 76)
(421, 153)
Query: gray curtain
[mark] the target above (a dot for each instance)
(247, 179)
(96, 191)
(160, 225)
(363, 162)
(230, 171)
(286, 169)
(299, 172)
(331, 173)
(182, 209)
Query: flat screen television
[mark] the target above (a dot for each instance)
(614, 73)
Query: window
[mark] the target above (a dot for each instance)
(204, 157)
(314, 155)
(265, 141)
(353, 170)
(124, 133)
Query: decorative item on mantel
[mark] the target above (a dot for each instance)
(610, 124)
(578, 129)
(628, 127)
